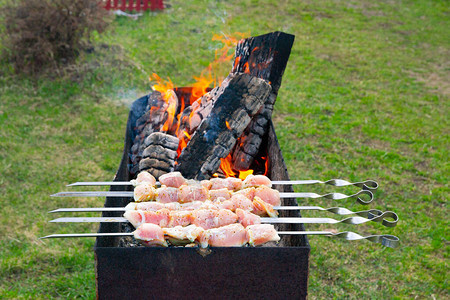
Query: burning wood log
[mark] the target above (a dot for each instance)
(160, 154)
(156, 118)
(236, 101)
(264, 57)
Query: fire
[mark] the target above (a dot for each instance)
(209, 76)
(244, 174)
(226, 166)
(165, 87)
(228, 125)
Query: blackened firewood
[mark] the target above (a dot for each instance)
(159, 154)
(165, 140)
(265, 57)
(236, 101)
(149, 123)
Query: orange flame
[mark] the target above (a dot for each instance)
(244, 174)
(226, 166)
(228, 125)
(165, 87)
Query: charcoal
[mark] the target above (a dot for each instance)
(236, 101)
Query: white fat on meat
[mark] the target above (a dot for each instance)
(150, 235)
(261, 233)
(233, 235)
(144, 192)
(257, 180)
(144, 177)
(166, 194)
(246, 218)
(173, 179)
(190, 193)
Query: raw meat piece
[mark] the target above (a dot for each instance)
(144, 192)
(142, 177)
(257, 180)
(173, 179)
(224, 193)
(240, 201)
(166, 194)
(261, 233)
(189, 193)
(262, 208)
(233, 235)
(150, 235)
(268, 195)
(246, 218)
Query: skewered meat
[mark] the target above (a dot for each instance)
(173, 179)
(180, 218)
(189, 193)
(247, 192)
(150, 235)
(262, 208)
(144, 192)
(223, 193)
(247, 218)
(210, 218)
(268, 195)
(230, 183)
(182, 235)
(137, 217)
(240, 201)
(144, 176)
(257, 180)
(233, 235)
(261, 233)
(257, 206)
(166, 194)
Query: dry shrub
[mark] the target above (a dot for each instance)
(42, 34)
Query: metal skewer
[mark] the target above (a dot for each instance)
(386, 240)
(332, 196)
(292, 220)
(368, 184)
(370, 214)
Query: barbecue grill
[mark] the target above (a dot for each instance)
(126, 269)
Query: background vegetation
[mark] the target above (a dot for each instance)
(365, 96)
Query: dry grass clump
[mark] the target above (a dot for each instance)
(42, 34)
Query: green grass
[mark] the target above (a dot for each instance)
(364, 96)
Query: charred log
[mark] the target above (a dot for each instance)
(235, 103)
(264, 57)
(160, 154)
(152, 121)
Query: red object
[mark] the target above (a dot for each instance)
(136, 5)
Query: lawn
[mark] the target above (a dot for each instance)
(365, 96)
